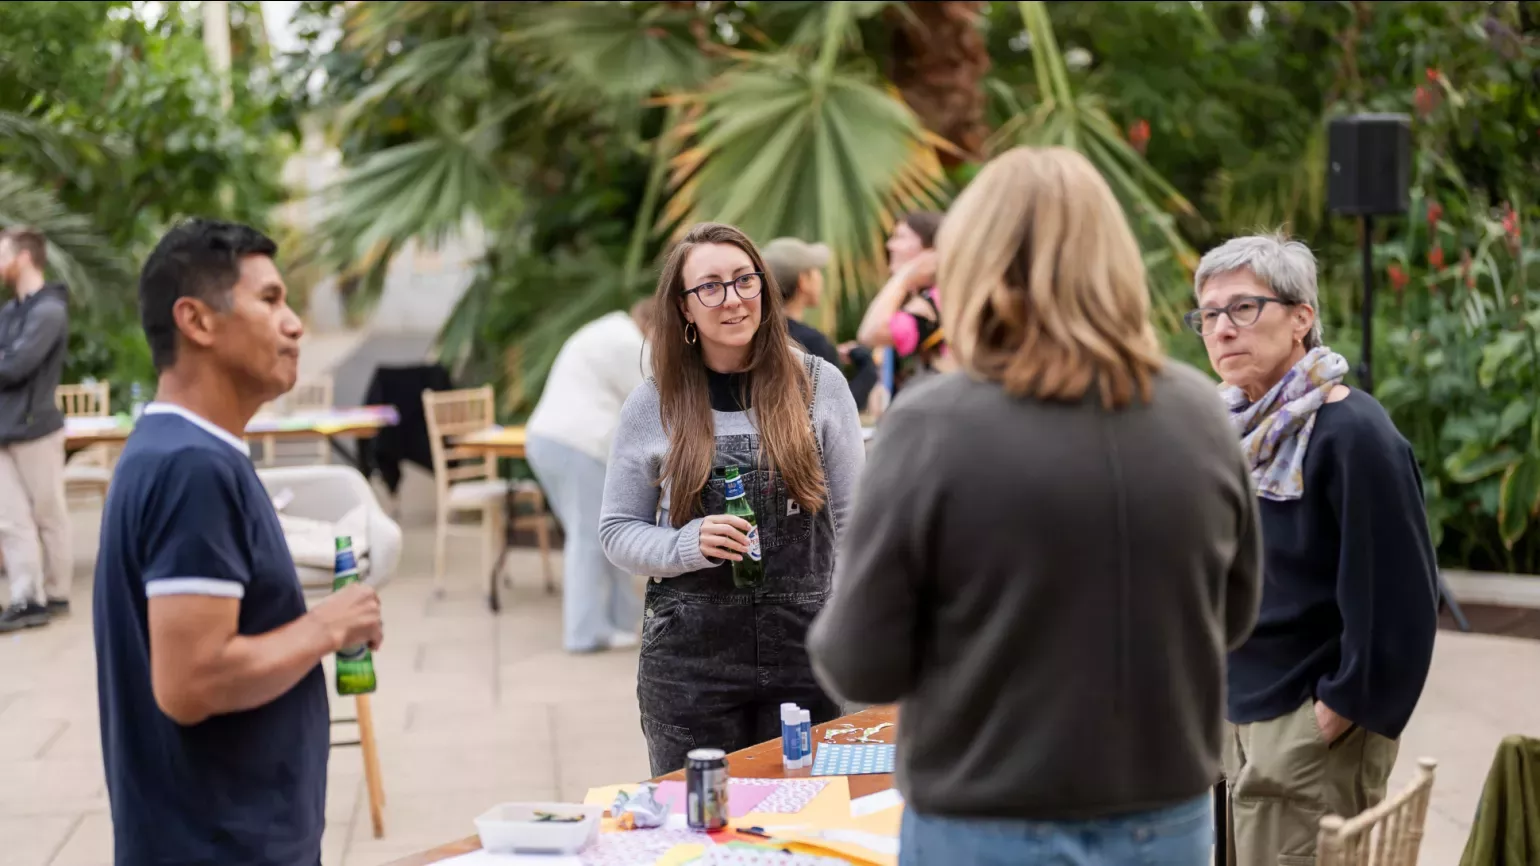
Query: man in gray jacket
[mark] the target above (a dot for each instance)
(34, 524)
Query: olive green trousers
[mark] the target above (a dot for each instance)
(1284, 777)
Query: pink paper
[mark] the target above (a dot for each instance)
(742, 795)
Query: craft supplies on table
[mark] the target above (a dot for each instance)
(840, 759)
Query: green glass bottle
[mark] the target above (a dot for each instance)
(355, 665)
(748, 572)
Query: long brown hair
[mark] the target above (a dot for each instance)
(1042, 285)
(778, 387)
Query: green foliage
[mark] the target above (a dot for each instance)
(583, 136)
(111, 128)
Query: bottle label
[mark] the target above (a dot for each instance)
(754, 543)
(735, 488)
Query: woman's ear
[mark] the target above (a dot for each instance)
(684, 309)
(1304, 320)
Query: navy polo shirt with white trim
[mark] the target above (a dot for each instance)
(187, 515)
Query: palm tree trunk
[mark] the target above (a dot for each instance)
(938, 63)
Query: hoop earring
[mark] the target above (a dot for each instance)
(691, 333)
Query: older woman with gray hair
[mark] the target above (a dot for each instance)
(1320, 692)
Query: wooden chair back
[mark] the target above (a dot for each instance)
(84, 401)
(1389, 834)
(457, 413)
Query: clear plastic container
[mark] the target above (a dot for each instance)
(509, 828)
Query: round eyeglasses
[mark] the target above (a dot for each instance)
(1243, 313)
(714, 294)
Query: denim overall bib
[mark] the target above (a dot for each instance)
(717, 661)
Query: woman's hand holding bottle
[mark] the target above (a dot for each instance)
(723, 536)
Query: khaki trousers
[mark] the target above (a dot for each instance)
(1283, 778)
(34, 522)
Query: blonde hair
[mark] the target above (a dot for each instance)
(1042, 284)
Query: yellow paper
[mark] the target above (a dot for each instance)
(606, 795)
(846, 850)
(679, 855)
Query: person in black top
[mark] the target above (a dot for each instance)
(796, 267)
(34, 521)
(1320, 692)
(214, 720)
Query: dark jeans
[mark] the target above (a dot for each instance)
(715, 670)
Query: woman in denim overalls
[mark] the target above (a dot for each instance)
(728, 391)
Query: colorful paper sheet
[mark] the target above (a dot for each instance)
(838, 759)
(742, 796)
(830, 808)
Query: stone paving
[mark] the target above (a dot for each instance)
(474, 709)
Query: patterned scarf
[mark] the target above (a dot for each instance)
(1276, 429)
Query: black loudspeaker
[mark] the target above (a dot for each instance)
(1369, 161)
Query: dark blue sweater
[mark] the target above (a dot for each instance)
(1349, 594)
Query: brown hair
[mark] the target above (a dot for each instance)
(779, 389)
(925, 223)
(29, 241)
(1042, 284)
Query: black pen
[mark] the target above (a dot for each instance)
(755, 831)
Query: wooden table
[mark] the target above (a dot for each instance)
(363, 423)
(756, 762)
(495, 441)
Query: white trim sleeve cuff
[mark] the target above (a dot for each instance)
(195, 586)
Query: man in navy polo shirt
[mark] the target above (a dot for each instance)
(214, 718)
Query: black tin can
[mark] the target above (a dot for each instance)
(705, 780)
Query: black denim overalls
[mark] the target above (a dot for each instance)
(716, 661)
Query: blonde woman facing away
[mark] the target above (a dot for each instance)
(727, 391)
(1050, 600)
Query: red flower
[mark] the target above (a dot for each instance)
(1511, 224)
(1436, 258)
(1432, 74)
(1425, 100)
(1139, 134)
(1435, 210)
(1398, 277)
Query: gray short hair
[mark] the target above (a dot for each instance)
(1283, 265)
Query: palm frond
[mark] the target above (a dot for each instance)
(424, 190)
(79, 253)
(1060, 117)
(426, 68)
(783, 150)
(614, 51)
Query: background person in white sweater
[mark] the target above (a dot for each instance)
(567, 443)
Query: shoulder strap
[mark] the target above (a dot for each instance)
(814, 369)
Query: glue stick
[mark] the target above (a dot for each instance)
(805, 737)
(791, 737)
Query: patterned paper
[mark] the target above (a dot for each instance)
(834, 759)
(791, 795)
(637, 847)
(736, 855)
(743, 796)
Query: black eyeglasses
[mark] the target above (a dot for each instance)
(714, 294)
(1243, 312)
